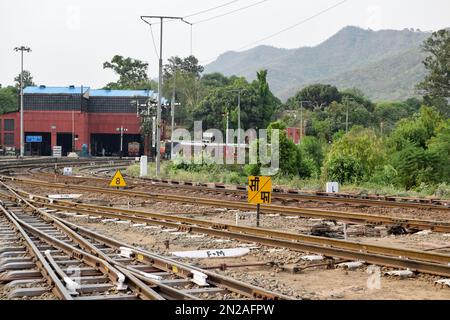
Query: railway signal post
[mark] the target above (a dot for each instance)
(259, 191)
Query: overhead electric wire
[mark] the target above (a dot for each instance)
(210, 9)
(153, 40)
(205, 10)
(294, 25)
(285, 29)
(230, 12)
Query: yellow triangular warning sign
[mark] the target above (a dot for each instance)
(118, 180)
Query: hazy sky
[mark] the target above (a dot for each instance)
(71, 39)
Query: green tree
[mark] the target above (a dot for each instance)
(344, 168)
(8, 99)
(356, 156)
(187, 65)
(358, 97)
(289, 154)
(418, 155)
(27, 80)
(257, 104)
(311, 148)
(388, 113)
(439, 150)
(183, 74)
(215, 80)
(414, 165)
(318, 95)
(437, 82)
(132, 73)
(416, 130)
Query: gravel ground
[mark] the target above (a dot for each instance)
(312, 283)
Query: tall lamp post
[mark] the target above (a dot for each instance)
(21, 49)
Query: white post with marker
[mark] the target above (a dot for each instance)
(143, 168)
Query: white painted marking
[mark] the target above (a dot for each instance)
(213, 253)
(445, 282)
(169, 230)
(312, 258)
(351, 265)
(123, 222)
(136, 225)
(125, 252)
(401, 273)
(81, 216)
(199, 278)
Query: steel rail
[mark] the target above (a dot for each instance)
(183, 269)
(374, 200)
(47, 162)
(92, 256)
(422, 261)
(155, 260)
(296, 195)
(286, 196)
(419, 203)
(47, 272)
(349, 217)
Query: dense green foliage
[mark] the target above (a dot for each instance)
(9, 96)
(257, 103)
(355, 156)
(8, 99)
(27, 80)
(315, 96)
(437, 82)
(132, 74)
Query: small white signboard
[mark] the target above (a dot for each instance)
(64, 196)
(57, 151)
(213, 253)
(332, 187)
(67, 171)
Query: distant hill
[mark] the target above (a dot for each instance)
(384, 64)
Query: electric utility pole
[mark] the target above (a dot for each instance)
(346, 113)
(238, 113)
(172, 113)
(21, 49)
(158, 111)
(301, 117)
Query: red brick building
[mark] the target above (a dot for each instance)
(71, 117)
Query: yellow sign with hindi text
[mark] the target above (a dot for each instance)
(259, 190)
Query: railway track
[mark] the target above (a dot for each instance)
(43, 165)
(420, 261)
(356, 218)
(78, 264)
(283, 194)
(279, 194)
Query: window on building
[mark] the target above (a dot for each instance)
(9, 124)
(8, 139)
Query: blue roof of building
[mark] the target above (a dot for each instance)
(94, 92)
(120, 93)
(54, 90)
(126, 93)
